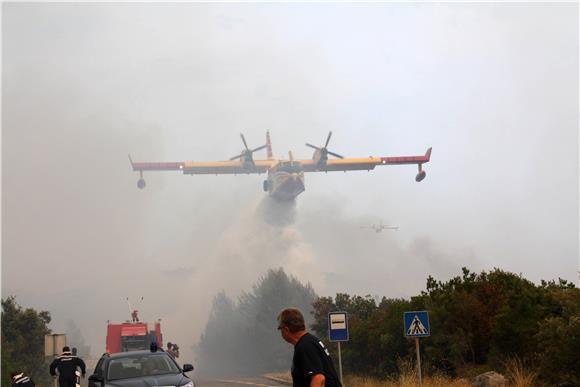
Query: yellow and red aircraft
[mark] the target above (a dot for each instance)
(285, 178)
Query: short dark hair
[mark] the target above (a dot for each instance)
(66, 348)
(292, 319)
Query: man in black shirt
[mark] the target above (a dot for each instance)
(311, 364)
(67, 364)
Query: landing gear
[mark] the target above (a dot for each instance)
(266, 185)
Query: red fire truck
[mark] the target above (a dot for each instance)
(133, 335)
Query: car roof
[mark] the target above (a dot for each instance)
(131, 353)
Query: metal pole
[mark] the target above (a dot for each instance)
(339, 363)
(54, 355)
(418, 360)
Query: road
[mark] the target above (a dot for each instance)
(238, 382)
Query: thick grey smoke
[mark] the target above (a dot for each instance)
(85, 84)
(76, 340)
(276, 212)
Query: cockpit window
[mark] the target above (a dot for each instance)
(289, 166)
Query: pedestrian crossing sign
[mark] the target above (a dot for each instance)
(417, 324)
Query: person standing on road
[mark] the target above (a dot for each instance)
(67, 365)
(175, 350)
(21, 380)
(311, 363)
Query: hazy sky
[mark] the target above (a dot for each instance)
(493, 88)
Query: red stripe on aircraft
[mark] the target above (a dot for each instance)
(167, 166)
(405, 160)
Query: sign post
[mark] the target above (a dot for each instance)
(338, 331)
(418, 352)
(416, 326)
(53, 344)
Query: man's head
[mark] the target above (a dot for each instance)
(291, 324)
(65, 349)
(292, 319)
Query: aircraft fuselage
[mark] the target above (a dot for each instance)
(285, 181)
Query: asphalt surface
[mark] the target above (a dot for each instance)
(238, 382)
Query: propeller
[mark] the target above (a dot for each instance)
(324, 150)
(247, 152)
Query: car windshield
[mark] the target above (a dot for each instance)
(135, 366)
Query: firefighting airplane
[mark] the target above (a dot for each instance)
(380, 227)
(285, 178)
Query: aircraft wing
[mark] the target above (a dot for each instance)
(225, 167)
(363, 163)
(205, 167)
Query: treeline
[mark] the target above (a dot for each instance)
(23, 333)
(478, 323)
(241, 337)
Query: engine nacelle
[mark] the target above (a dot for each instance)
(420, 176)
(141, 183)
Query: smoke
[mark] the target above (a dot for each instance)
(276, 212)
(323, 246)
(260, 236)
(75, 339)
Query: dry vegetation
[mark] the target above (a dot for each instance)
(519, 375)
(407, 378)
(405, 381)
(516, 373)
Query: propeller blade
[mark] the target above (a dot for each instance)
(312, 146)
(259, 148)
(244, 141)
(235, 157)
(335, 154)
(328, 139)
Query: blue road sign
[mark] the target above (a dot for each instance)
(417, 324)
(337, 326)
